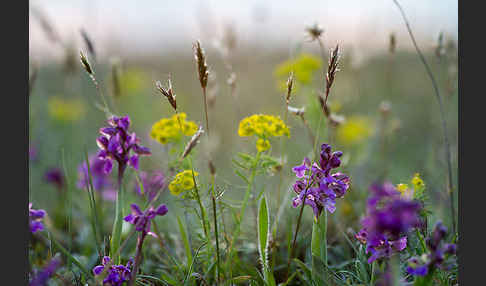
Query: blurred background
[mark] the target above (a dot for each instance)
(391, 125)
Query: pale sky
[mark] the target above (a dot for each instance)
(132, 27)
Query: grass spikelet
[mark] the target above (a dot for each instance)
(192, 143)
(167, 92)
(202, 67)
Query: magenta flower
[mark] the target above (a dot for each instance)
(116, 143)
(316, 185)
(35, 219)
(142, 220)
(117, 274)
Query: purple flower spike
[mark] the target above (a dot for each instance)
(141, 220)
(320, 188)
(35, 218)
(116, 143)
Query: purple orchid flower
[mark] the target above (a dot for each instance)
(117, 274)
(142, 220)
(316, 185)
(116, 143)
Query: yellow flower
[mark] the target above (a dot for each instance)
(354, 130)
(303, 68)
(262, 145)
(169, 129)
(246, 128)
(417, 182)
(405, 191)
(182, 182)
(263, 126)
(65, 109)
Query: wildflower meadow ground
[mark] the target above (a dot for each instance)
(219, 166)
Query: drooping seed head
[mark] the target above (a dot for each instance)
(193, 142)
(167, 92)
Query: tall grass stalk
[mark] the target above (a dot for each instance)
(447, 152)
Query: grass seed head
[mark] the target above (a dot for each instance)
(167, 92)
(85, 63)
(193, 142)
(290, 83)
(202, 67)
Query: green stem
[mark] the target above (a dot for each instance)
(319, 245)
(215, 229)
(117, 224)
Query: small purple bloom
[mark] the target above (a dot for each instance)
(116, 143)
(142, 220)
(56, 177)
(319, 189)
(151, 184)
(100, 179)
(439, 255)
(35, 219)
(301, 169)
(42, 277)
(116, 274)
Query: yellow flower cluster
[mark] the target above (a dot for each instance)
(263, 126)
(182, 182)
(410, 193)
(169, 129)
(65, 109)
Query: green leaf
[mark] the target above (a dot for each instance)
(187, 247)
(263, 230)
